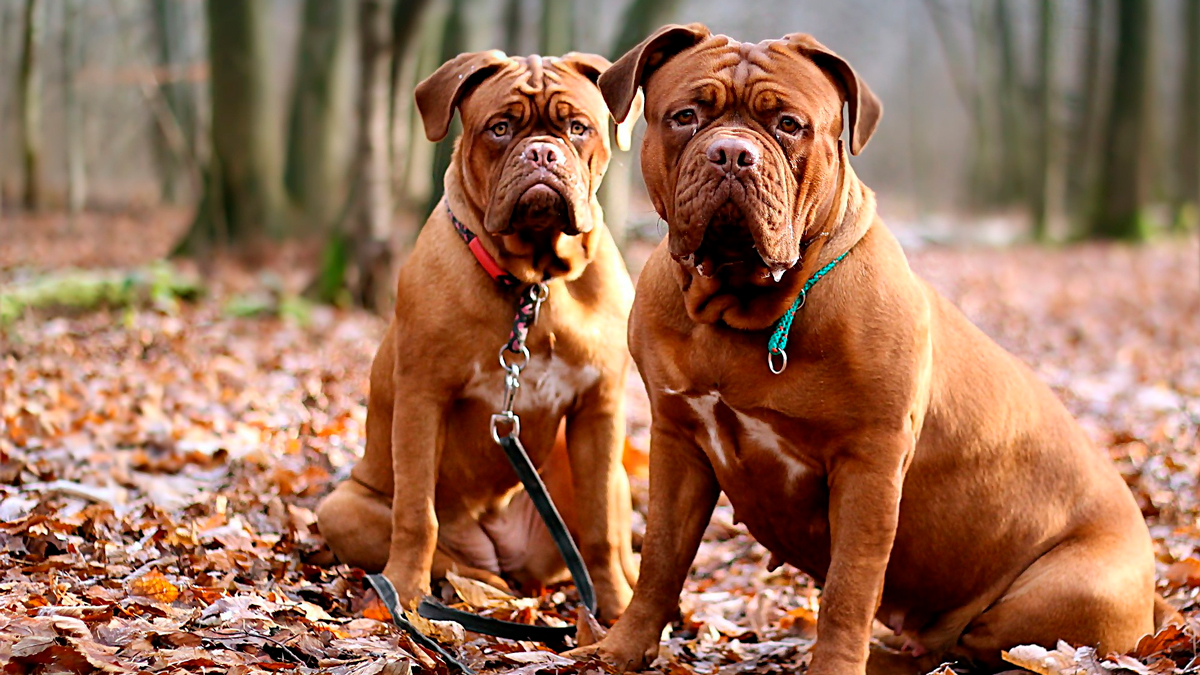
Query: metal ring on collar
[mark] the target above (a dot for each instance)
(523, 352)
(771, 361)
(507, 416)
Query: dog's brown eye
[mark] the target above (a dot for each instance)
(789, 125)
(685, 117)
(578, 128)
(499, 129)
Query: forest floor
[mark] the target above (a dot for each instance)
(160, 463)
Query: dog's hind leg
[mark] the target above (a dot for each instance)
(357, 525)
(1094, 590)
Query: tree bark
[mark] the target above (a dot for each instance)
(512, 27)
(1081, 158)
(1046, 131)
(417, 179)
(243, 190)
(453, 43)
(319, 118)
(1124, 190)
(31, 103)
(1012, 107)
(557, 27)
(368, 254)
(1187, 210)
(638, 20)
(72, 53)
(171, 26)
(407, 18)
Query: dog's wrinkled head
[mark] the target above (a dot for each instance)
(741, 152)
(533, 150)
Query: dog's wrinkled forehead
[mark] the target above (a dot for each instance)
(725, 75)
(535, 89)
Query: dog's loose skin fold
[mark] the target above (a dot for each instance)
(921, 474)
(433, 491)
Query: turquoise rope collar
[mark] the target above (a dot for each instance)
(779, 339)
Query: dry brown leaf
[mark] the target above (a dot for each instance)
(478, 594)
(1185, 572)
(588, 630)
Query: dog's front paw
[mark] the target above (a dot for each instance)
(623, 654)
(410, 588)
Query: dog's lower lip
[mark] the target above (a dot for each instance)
(540, 188)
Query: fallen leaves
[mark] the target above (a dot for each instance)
(154, 585)
(159, 471)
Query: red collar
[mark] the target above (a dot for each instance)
(486, 261)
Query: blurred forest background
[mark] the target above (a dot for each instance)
(166, 428)
(293, 119)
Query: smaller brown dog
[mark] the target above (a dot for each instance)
(433, 491)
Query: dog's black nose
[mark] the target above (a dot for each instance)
(732, 155)
(541, 154)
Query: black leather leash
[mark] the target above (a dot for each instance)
(387, 593)
(431, 608)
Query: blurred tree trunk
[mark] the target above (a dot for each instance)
(512, 27)
(171, 26)
(371, 278)
(314, 171)
(639, 19)
(242, 187)
(1012, 108)
(30, 90)
(5, 40)
(406, 23)
(1124, 188)
(72, 52)
(1047, 140)
(1080, 159)
(558, 27)
(453, 43)
(971, 88)
(416, 175)
(359, 256)
(1187, 210)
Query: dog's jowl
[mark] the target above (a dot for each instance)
(433, 491)
(862, 428)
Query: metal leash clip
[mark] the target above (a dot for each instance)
(512, 382)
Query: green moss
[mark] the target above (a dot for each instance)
(158, 285)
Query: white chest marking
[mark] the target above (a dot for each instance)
(705, 407)
(751, 431)
(761, 434)
(546, 383)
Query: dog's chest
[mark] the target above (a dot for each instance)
(774, 486)
(548, 384)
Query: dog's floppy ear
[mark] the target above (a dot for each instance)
(592, 66)
(865, 109)
(439, 94)
(620, 83)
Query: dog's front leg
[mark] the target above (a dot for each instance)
(683, 492)
(416, 449)
(864, 508)
(595, 435)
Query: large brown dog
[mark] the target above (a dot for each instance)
(433, 491)
(920, 473)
